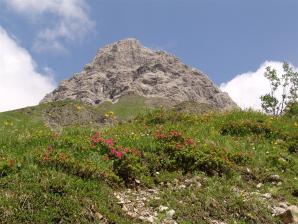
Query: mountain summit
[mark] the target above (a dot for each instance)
(126, 67)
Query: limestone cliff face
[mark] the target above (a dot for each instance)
(127, 67)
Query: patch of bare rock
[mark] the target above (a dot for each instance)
(285, 211)
(134, 202)
(288, 213)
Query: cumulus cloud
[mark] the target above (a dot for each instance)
(245, 89)
(20, 84)
(71, 21)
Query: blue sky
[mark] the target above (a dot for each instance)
(221, 38)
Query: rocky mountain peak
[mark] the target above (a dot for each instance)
(127, 53)
(128, 67)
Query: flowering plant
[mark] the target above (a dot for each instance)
(126, 161)
(109, 147)
(173, 139)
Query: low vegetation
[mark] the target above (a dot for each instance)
(70, 174)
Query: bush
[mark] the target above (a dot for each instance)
(126, 161)
(248, 127)
(293, 147)
(67, 163)
(6, 167)
(205, 160)
(162, 116)
(180, 152)
(292, 110)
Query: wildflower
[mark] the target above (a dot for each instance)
(109, 142)
(136, 152)
(10, 163)
(159, 135)
(175, 133)
(50, 149)
(119, 155)
(46, 157)
(96, 135)
(189, 141)
(113, 151)
(62, 156)
(110, 114)
(178, 146)
(96, 138)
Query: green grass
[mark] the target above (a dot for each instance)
(52, 176)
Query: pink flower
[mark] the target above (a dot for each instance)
(119, 155)
(113, 151)
(96, 138)
(109, 141)
(189, 141)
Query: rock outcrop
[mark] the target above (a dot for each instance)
(127, 67)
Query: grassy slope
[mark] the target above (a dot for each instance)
(48, 177)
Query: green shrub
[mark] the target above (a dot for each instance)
(129, 168)
(180, 152)
(291, 141)
(200, 159)
(67, 163)
(6, 167)
(248, 127)
(162, 116)
(292, 110)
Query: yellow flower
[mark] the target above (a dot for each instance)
(110, 114)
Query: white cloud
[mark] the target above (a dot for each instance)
(71, 21)
(20, 84)
(245, 89)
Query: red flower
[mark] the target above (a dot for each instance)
(96, 138)
(10, 163)
(119, 155)
(50, 149)
(113, 151)
(109, 142)
(62, 156)
(175, 133)
(189, 141)
(46, 157)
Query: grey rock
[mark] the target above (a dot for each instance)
(217, 222)
(137, 181)
(290, 215)
(283, 205)
(170, 213)
(259, 185)
(151, 219)
(266, 195)
(274, 177)
(162, 208)
(126, 67)
(99, 216)
(276, 211)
